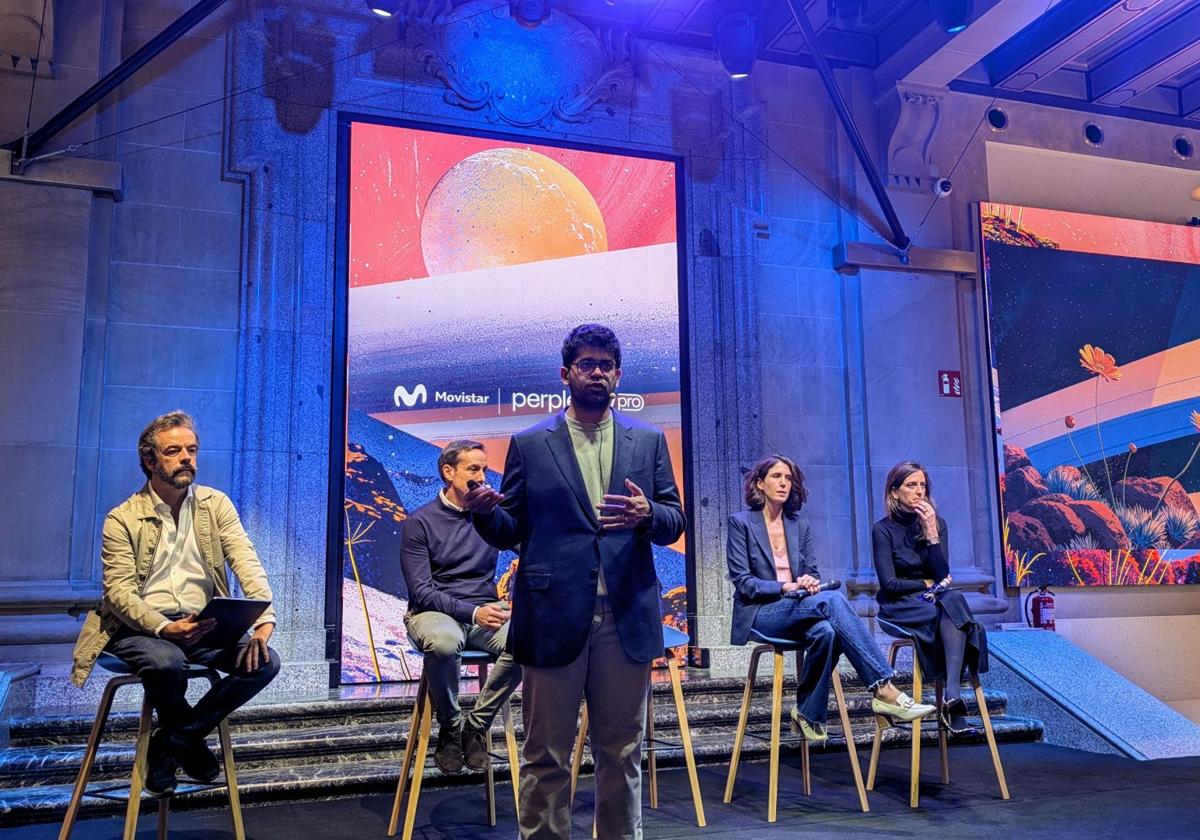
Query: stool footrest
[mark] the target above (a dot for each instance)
(120, 793)
(784, 740)
(657, 742)
(134, 794)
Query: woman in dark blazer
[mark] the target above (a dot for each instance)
(911, 560)
(777, 593)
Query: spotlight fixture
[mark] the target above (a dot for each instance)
(952, 15)
(847, 12)
(384, 8)
(735, 33)
(529, 13)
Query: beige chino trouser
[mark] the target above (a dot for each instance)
(615, 689)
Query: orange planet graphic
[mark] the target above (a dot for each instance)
(507, 207)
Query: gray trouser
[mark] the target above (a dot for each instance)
(443, 639)
(615, 689)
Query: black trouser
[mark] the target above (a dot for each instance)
(160, 663)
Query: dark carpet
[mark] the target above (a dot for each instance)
(1056, 793)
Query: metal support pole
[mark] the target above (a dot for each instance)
(112, 80)
(899, 237)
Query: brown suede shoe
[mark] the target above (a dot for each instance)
(448, 756)
(474, 747)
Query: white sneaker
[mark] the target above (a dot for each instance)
(905, 708)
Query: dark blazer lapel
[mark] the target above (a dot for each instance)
(624, 444)
(758, 527)
(791, 531)
(558, 438)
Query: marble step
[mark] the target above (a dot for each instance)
(46, 729)
(58, 762)
(356, 775)
(340, 747)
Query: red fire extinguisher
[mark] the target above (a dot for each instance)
(1042, 613)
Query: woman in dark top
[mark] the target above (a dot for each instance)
(911, 561)
(777, 593)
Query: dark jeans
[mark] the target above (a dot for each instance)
(160, 665)
(829, 625)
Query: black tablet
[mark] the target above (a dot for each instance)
(234, 616)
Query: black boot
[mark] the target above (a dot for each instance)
(160, 766)
(953, 716)
(195, 758)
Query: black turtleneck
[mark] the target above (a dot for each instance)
(904, 560)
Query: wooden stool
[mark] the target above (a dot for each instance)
(904, 640)
(779, 647)
(116, 665)
(672, 638)
(416, 750)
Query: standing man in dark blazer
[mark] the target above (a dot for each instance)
(585, 493)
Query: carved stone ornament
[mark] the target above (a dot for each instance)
(909, 163)
(522, 77)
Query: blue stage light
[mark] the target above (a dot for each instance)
(735, 34)
(384, 8)
(952, 15)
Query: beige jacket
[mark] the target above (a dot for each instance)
(131, 532)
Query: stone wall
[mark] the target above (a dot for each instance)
(210, 287)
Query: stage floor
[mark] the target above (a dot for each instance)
(1057, 792)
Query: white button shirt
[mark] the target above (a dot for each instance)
(178, 581)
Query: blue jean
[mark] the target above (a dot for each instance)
(829, 625)
(160, 662)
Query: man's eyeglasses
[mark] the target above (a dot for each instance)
(588, 366)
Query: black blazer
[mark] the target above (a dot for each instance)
(752, 567)
(547, 513)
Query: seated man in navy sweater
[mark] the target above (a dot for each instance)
(452, 605)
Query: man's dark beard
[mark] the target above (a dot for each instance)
(179, 479)
(585, 397)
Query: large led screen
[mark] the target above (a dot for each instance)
(469, 260)
(1095, 339)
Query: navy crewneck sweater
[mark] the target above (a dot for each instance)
(447, 565)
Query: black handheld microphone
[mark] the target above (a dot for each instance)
(827, 586)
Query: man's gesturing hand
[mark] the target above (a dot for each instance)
(187, 630)
(623, 512)
(482, 499)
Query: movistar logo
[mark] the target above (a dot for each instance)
(408, 399)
